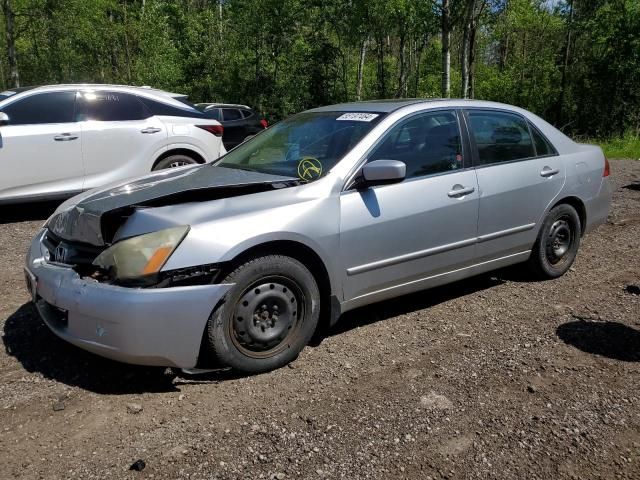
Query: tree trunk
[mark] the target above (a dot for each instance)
(446, 49)
(402, 67)
(472, 59)
(466, 47)
(9, 16)
(382, 84)
(565, 65)
(363, 53)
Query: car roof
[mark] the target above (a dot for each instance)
(168, 97)
(386, 106)
(222, 105)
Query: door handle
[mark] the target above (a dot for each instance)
(150, 130)
(65, 137)
(458, 191)
(549, 172)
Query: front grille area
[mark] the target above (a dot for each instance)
(69, 253)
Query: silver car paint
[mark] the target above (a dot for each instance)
(393, 239)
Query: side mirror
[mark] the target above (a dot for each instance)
(4, 119)
(381, 172)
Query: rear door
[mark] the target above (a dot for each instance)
(40, 151)
(396, 236)
(120, 136)
(519, 175)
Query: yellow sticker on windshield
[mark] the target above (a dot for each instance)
(309, 168)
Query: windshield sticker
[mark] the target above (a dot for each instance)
(358, 117)
(309, 169)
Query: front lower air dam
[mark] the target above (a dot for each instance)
(161, 326)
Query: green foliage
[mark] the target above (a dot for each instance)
(627, 146)
(282, 56)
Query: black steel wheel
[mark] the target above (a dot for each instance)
(267, 317)
(557, 244)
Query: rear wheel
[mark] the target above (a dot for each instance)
(557, 244)
(173, 161)
(268, 316)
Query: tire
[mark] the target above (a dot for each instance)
(557, 244)
(172, 161)
(268, 316)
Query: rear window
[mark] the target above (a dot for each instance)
(500, 136)
(231, 114)
(112, 107)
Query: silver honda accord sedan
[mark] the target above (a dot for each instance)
(237, 263)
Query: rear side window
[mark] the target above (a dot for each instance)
(500, 136)
(112, 107)
(53, 107)
(543, 147)
(246, 113)
(213, 113)
(160, 108)
(230, 114)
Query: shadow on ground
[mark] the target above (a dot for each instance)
(28, 339)
(609, 339)
(633, 186)
(25, 212)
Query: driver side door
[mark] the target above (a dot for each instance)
(398, 238)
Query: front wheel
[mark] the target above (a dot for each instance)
(268, 316)
(557, 244)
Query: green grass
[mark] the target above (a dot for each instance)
(620, 147)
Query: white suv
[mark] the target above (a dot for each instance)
(63, 139)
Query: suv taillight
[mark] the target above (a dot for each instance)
(217, 130)
(607, 168)
(264, 123)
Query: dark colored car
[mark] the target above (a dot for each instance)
(239, 121)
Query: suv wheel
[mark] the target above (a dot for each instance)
(173, 161)
(268, 316)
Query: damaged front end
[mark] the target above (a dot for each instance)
(88, 236)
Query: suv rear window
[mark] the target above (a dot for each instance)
(230, 114)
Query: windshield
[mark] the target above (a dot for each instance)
(305, 146)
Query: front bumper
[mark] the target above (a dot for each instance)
(161, 327)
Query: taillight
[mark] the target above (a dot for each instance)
(264, 123)
(607, 168)
(217, 130)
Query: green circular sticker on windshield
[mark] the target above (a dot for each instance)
(309, 168)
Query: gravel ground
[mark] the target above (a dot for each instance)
(493, 377)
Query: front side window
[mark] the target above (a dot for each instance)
(500, 136)
(112, 107)
(52, 107)
(427, 143)
(230, 114)
(305, 146)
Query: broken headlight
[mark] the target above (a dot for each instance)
(142, 255)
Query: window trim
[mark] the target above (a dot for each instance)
(472, 140)
(464, 142)
(544, 137)
(15, 101)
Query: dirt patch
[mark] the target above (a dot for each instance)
(493, 377)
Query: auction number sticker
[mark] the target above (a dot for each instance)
(357, 117)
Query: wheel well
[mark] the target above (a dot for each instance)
(305, 255)
(179, 151)
(576, 203)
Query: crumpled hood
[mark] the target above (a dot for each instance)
(81, 219)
